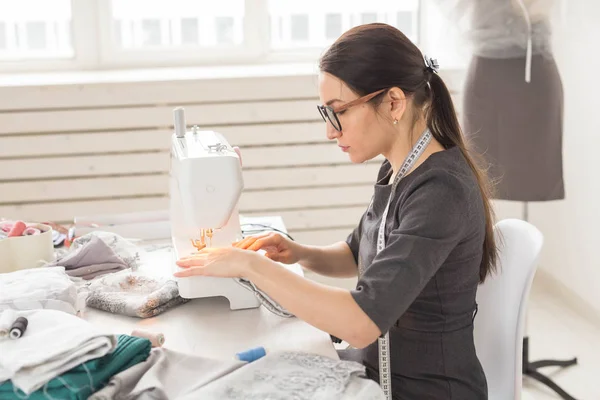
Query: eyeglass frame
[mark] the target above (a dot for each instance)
(325, 115)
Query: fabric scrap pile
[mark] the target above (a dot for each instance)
(61, 356)
(110, 264)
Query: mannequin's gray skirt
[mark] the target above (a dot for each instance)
(517, 126)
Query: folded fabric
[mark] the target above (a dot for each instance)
(83, 380)
(53, 343)
(40, 288)
(133, 294)
(293, 375)
(90, 260)
(166, 374)
(127, 251)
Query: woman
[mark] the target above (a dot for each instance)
(380, 97)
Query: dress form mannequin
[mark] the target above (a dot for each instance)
(513, 109)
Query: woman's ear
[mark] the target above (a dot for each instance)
(398, 104)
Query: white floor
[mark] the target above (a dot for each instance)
(556, 331)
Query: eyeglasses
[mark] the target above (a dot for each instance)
(329, 113)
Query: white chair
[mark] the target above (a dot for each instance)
(500, 321)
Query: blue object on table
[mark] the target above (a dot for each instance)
(252, 354)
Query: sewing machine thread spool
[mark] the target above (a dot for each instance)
(252, 354)
(179, 117)
(156, 339)
(18, 328)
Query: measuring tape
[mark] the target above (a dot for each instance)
(384, 342)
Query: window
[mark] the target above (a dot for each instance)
(35, 29)
(176, 24)
(100, 34)
(316, 24)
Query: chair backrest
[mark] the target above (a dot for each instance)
(502, 299)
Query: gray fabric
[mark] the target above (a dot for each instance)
(277, 376)
(422, 286)
(127, 251)
(93, 259)
(265, 300)
(293, 375)
(517, 126)
(134, 294)
(165, 375)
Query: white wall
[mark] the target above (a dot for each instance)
(571, 227)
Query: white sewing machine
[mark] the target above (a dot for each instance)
(205, 186)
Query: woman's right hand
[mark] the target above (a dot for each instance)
(277, 247)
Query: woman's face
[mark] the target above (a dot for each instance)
(366, 133)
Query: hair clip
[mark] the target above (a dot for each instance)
(432, 64)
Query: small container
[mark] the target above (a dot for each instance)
(24, 252)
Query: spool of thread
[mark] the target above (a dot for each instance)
(6, 227)
(18, 328)
(7, 318)
(156, 339)
(31, 231)
(252, 354)
(17, 229)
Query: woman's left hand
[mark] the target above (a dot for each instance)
(225, 262)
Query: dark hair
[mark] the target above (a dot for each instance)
(378, 56)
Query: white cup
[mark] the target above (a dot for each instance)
(24, 252)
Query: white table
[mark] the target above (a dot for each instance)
(208, 327)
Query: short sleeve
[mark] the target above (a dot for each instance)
(353, 240)
(432, 219)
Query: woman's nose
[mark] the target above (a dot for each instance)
(332, 133)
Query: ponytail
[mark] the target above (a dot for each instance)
(373, 57)
(444, 125)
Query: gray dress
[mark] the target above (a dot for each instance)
(422, 286)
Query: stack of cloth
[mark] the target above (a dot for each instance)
(61, 356)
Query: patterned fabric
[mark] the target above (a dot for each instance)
(133, 294)
(295, 376)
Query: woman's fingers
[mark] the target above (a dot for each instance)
(261, 244)
(242, 244)
(249, 241)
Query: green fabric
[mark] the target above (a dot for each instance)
(75, 384)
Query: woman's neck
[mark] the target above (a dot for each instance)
(404, 144)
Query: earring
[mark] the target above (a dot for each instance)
(395, 122)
